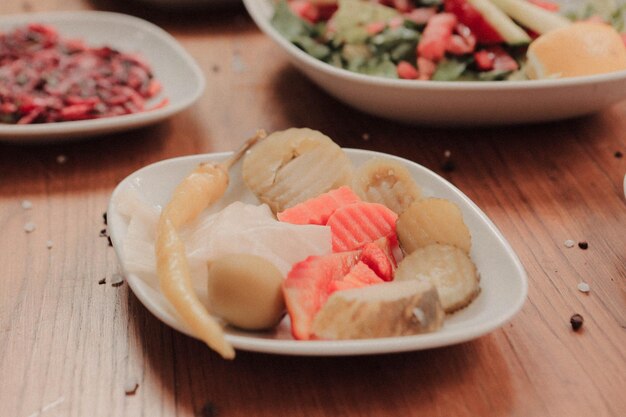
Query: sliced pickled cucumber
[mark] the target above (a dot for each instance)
(433, 220)
(293, 165)
(387, 182)
(446, 267)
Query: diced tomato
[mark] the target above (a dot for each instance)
(400, 5)
(406, 71)
(548, 5)
(421, 15)
(469, 40)
(305, 9)
(484, 60)
(502, 60)
(464, 42)
(375, 27)
(437, 33)
(326, 11)
(426, 68)
(469, 16)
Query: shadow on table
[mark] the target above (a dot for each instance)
(456, 380)
(541, 145)
(195, 17)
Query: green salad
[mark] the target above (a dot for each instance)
(440, 40)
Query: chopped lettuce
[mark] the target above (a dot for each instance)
(345, 42)
(353, 16)
(450, 69)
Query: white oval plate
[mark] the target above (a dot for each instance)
(182, 80)
(503, 279)
(453, 102)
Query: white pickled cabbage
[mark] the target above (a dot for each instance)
(238, 228)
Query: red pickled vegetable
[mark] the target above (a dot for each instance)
(44, 78)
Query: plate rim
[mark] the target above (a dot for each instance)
(332, 347)
(48, 132)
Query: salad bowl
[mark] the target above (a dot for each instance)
(446, 103)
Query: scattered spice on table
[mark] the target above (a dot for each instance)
(583, 245)
(102, 281)
(110, 241)
(103, 232)
(45, 78)
(576, 321)
(104, 218)
(49, 244)
(27, 205)
(569, 243)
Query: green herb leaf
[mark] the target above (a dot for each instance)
(288, 24)
(352, 17)
(450, 69)
(381, 66)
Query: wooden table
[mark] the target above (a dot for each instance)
(72, 346)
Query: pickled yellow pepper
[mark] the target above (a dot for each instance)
(204, 186)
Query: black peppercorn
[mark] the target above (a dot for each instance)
(448, 166)
(576, 321)
(583, 245)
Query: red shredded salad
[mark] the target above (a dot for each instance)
(44, 78)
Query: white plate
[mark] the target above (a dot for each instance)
(451, 103)
(503, 279)
(180, 76)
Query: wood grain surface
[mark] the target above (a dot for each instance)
(72, 344)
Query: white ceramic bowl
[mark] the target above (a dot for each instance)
(451, 103)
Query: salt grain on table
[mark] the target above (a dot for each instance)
(583, 287)
(237, 62)
(569, 243)
(27, 204)
(49, 244)
(29, 227)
